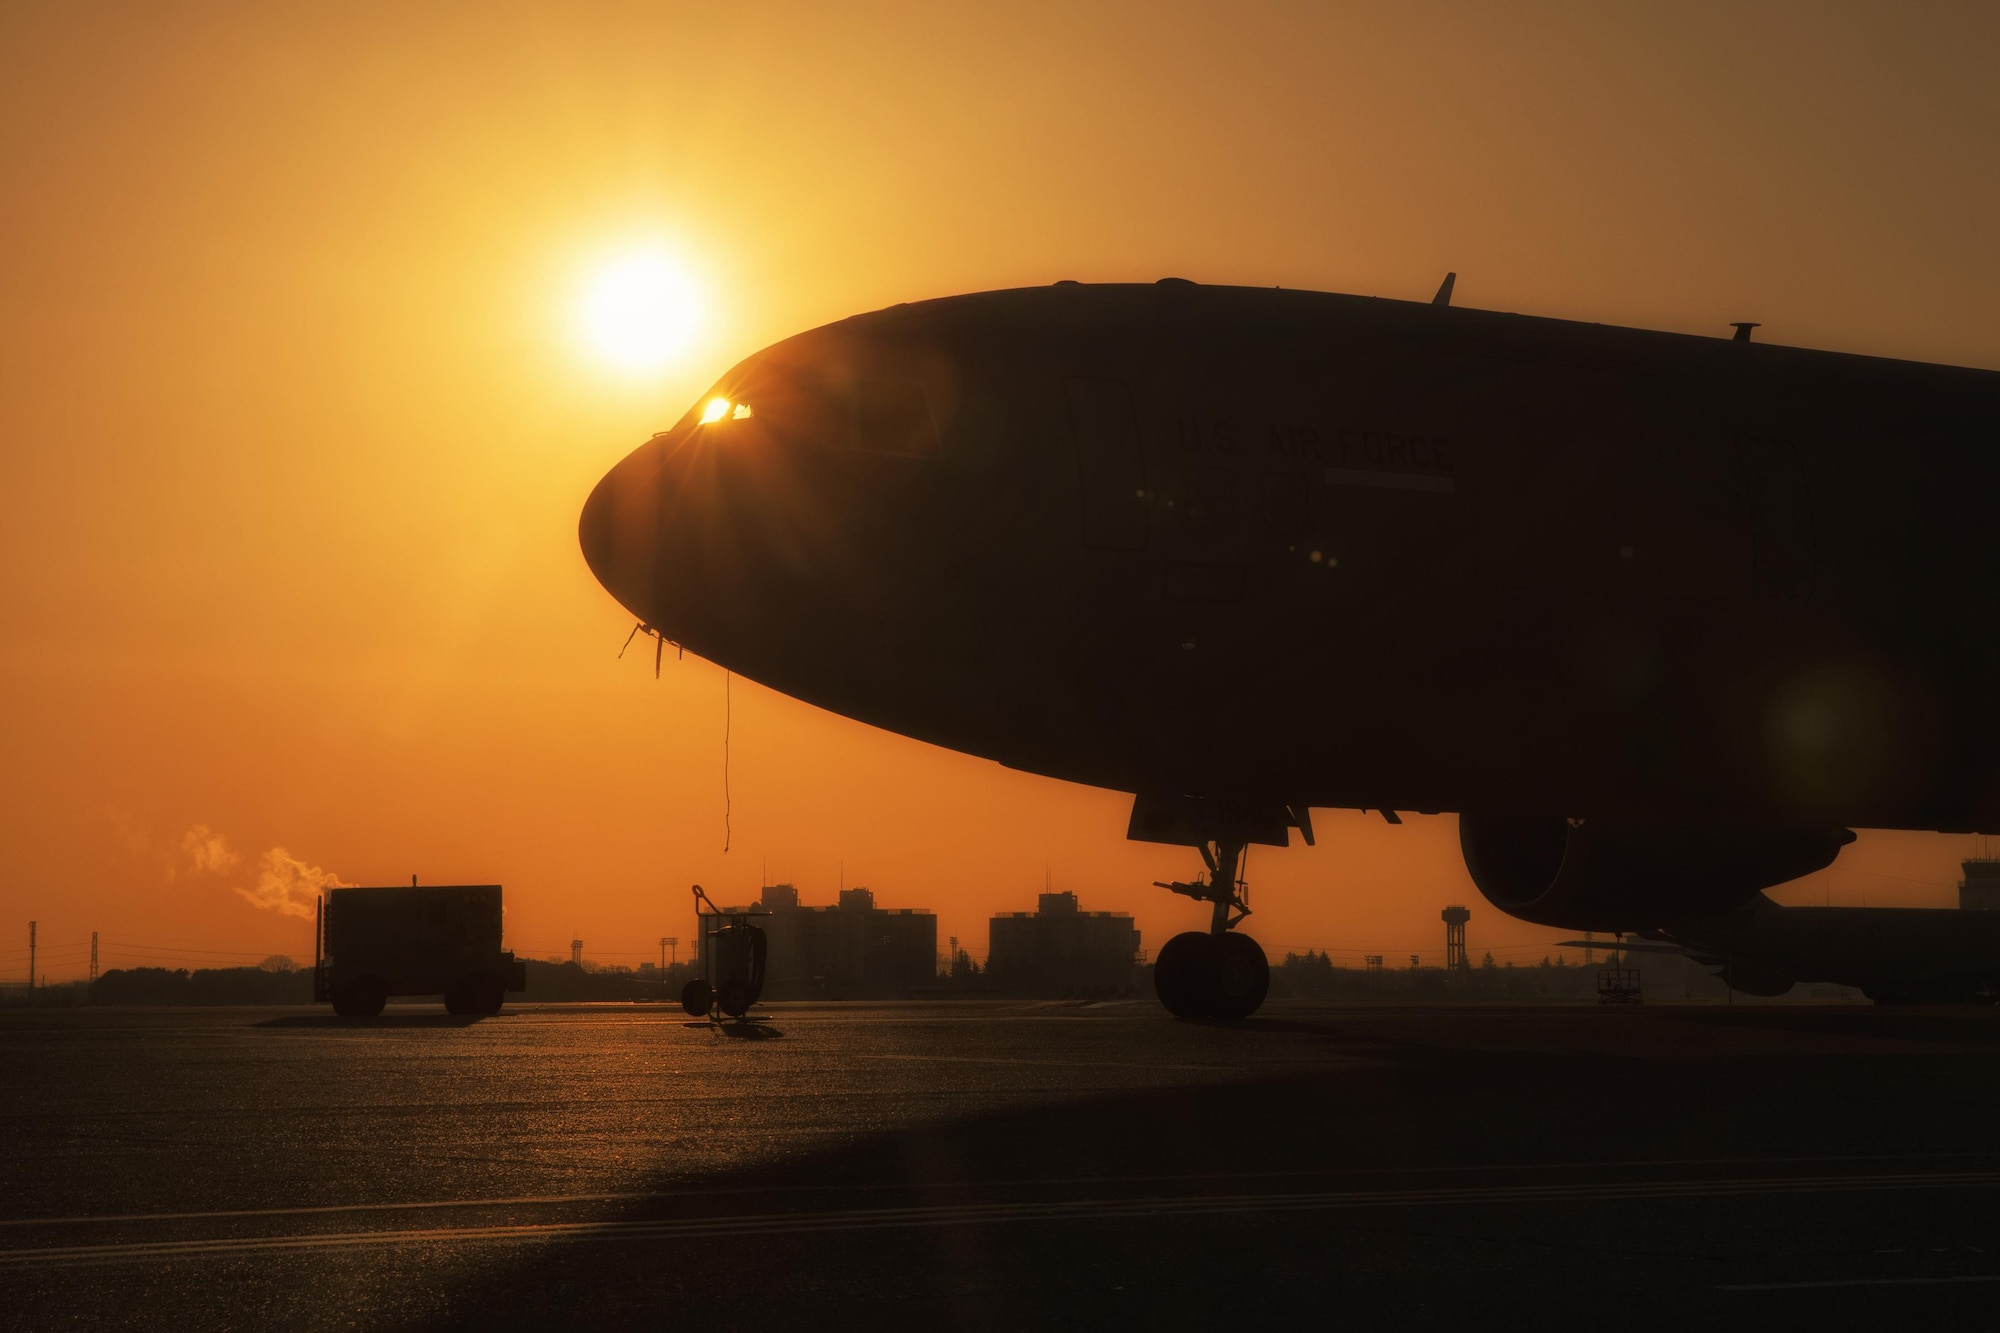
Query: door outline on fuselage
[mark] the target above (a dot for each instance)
(1110, 463)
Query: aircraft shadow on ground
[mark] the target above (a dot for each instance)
(1967, 1026)
(755, 1028)
(369, 1024)
(728, 1249)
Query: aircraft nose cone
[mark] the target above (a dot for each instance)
(619, 531)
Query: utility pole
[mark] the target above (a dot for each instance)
(93, 958)
(31, 962)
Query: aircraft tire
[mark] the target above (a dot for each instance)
(1184, 974)
(696, 997)
(360, 997)
(1242, 977)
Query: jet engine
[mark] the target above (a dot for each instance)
(1578, 874)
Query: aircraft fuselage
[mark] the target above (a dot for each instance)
(1330, 550)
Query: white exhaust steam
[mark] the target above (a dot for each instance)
(288, 885)
(284, 884)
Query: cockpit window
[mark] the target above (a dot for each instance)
(719, 408)
(829, 404)
(894, 417)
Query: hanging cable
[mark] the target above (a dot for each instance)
(727, 761)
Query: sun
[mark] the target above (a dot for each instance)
(640, 311)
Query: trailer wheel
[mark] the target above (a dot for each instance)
(488, 995)
(360, 997)
(475, 996)
(696, 997)
(735, 997)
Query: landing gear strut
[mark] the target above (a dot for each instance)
(1213, 974)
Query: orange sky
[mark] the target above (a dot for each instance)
(297, 425)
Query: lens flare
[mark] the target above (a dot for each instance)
(640, 312)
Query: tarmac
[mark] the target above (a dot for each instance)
(987, 1165)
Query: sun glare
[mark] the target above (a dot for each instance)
(640, 312)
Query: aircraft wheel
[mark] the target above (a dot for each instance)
(1242, 977)
(735, 998)
(696, 998)
(1184, 974)
(360, 997)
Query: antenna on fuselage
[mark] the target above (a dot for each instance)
(1444, 290)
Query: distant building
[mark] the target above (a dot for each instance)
(1454, 939)
(1979, 891)
(1059, 950)
(853, 950)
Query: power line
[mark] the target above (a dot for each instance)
(231, 953)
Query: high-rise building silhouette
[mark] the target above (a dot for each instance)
(1058, 949)
(851, 950)
(1980, 889)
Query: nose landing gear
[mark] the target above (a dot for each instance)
(1213, 974)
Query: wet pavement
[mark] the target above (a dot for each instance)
(990, 1165)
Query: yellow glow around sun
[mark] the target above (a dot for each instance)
(640, 311)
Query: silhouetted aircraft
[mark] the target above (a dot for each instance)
(1894, 955)
(1659, 616)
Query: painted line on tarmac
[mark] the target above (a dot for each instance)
(1246, 1071)
(1047, 1182)
(977, 1214)
(320, 1210)
(1960, 1279)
